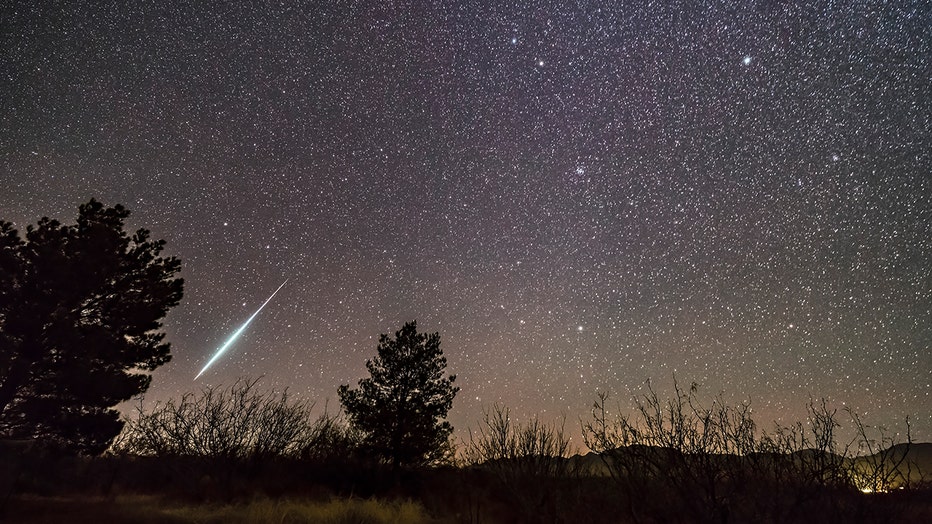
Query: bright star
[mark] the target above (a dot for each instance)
(746, 60)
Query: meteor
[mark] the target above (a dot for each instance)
(238, 332)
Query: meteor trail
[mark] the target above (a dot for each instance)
(238, 332)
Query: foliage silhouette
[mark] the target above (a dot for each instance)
(235, 423)
(399, 408)
(80, 311)
(682, 459)
(696, 461)
(529, 461)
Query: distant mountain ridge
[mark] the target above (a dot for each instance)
(912, 462)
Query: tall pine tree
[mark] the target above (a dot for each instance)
(80, 311)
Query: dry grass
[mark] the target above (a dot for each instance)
(156, 510)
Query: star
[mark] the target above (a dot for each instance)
(653, 180)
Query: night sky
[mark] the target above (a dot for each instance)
(579, 197)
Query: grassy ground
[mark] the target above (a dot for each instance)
(63, 489)
(157, 510)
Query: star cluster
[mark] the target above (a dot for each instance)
(577, 196)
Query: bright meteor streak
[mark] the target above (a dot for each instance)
(238, 332)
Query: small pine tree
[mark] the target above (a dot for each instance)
(400, 408)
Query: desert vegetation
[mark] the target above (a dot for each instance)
(714, 461)
(242, 453)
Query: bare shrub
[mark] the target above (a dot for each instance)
(808, 454)
(680, 449)
(710, 463)
(238, 422)
(534, 449)
(328, 438)
(530, 461)
(882, 464)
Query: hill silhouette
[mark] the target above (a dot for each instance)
(901, 462)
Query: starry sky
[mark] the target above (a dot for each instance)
(578, 196)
